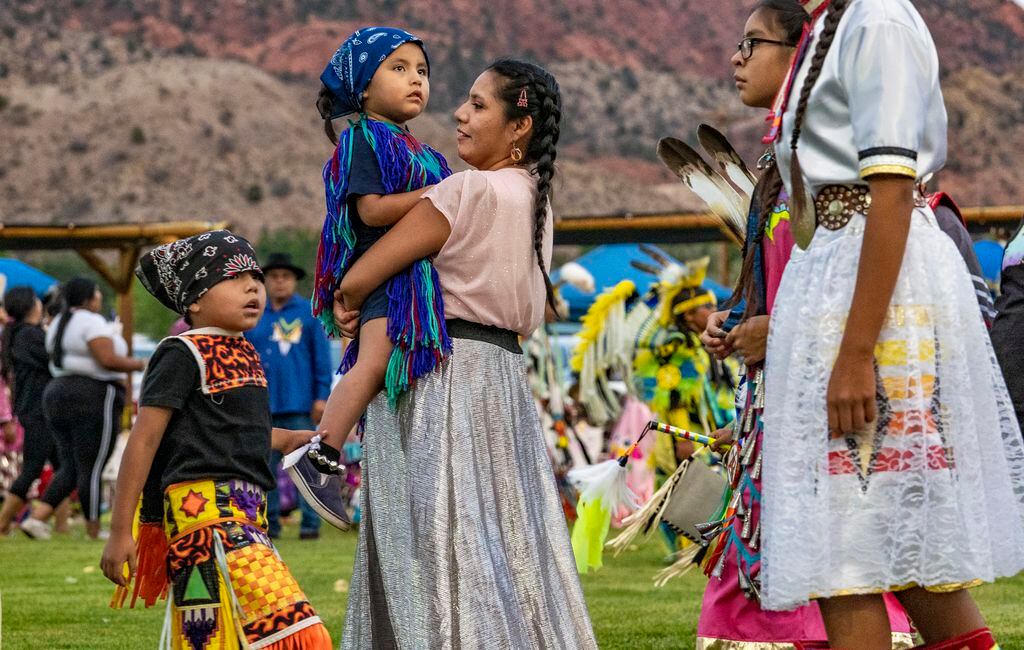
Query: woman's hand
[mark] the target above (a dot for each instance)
(345, 319)
(851, 394)
(750, 339)
(120, 548)
(714, 337)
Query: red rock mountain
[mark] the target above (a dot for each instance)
(151, 109)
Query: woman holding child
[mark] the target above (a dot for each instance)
(463, 542)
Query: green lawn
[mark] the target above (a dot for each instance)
(54, 596)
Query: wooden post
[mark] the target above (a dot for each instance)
(129, 258)
(723, 263)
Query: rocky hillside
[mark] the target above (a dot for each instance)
(157, 109)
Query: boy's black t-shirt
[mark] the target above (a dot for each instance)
(364, 178)
(225, 435)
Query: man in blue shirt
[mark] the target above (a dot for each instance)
(297, 360)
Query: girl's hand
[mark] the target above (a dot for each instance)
(723, 438)
(851, 394)
(750, 339)
(120, 548)
(10, 430)
(347, 320)
(714, 337)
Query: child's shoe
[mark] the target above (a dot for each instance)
(321, 485)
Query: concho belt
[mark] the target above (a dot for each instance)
(835, 205)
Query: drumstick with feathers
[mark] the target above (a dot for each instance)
(603, 491)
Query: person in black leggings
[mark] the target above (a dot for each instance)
(23, 361)
(83, 403)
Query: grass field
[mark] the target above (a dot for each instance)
(55, 597)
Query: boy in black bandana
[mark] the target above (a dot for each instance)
(198, 456)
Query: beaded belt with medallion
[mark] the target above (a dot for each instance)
(835, 205)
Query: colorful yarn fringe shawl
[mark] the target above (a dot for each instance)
(416, 324)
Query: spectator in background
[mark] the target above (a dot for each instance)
(25, 369)
(947, 215)
(1008, 328)
(83, 403)
(297, 361)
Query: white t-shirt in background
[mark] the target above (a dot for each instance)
(83, 327)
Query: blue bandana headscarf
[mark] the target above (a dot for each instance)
(354, 64)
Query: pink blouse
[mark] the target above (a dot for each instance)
(488, 267)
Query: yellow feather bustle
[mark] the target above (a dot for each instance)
(606, 344)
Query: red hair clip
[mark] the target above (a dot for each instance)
(523, 102)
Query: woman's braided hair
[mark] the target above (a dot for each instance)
(835, 13)
(544, 105)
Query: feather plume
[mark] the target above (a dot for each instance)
(722, 152)
(709, 185)
(577, 277)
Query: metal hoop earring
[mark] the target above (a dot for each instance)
(516, 153)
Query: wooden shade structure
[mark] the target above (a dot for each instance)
(696, 227)
(127, 240)
(701, 227)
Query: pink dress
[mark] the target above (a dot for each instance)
(731, 617)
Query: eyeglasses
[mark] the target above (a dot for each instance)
(746, 46)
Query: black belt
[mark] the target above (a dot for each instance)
(503, 338)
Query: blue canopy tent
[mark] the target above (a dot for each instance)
(990, 257)
(15, 273)
(610, 264)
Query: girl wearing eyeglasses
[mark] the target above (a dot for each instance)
(731, 614)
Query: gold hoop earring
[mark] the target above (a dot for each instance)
(516, 153)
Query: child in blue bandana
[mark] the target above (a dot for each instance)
(375, 176)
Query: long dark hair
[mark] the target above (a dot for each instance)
(75, 293)
(791, 17)
(18, 302)
(543, 104)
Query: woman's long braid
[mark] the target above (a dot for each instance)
(544, 106)
(546, 137)
(828, 32)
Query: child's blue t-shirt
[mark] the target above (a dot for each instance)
(364, 178)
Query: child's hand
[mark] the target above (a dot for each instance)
(347, 320)
(288, 440)
(119, 549)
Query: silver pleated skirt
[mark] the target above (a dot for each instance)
(463, 543)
